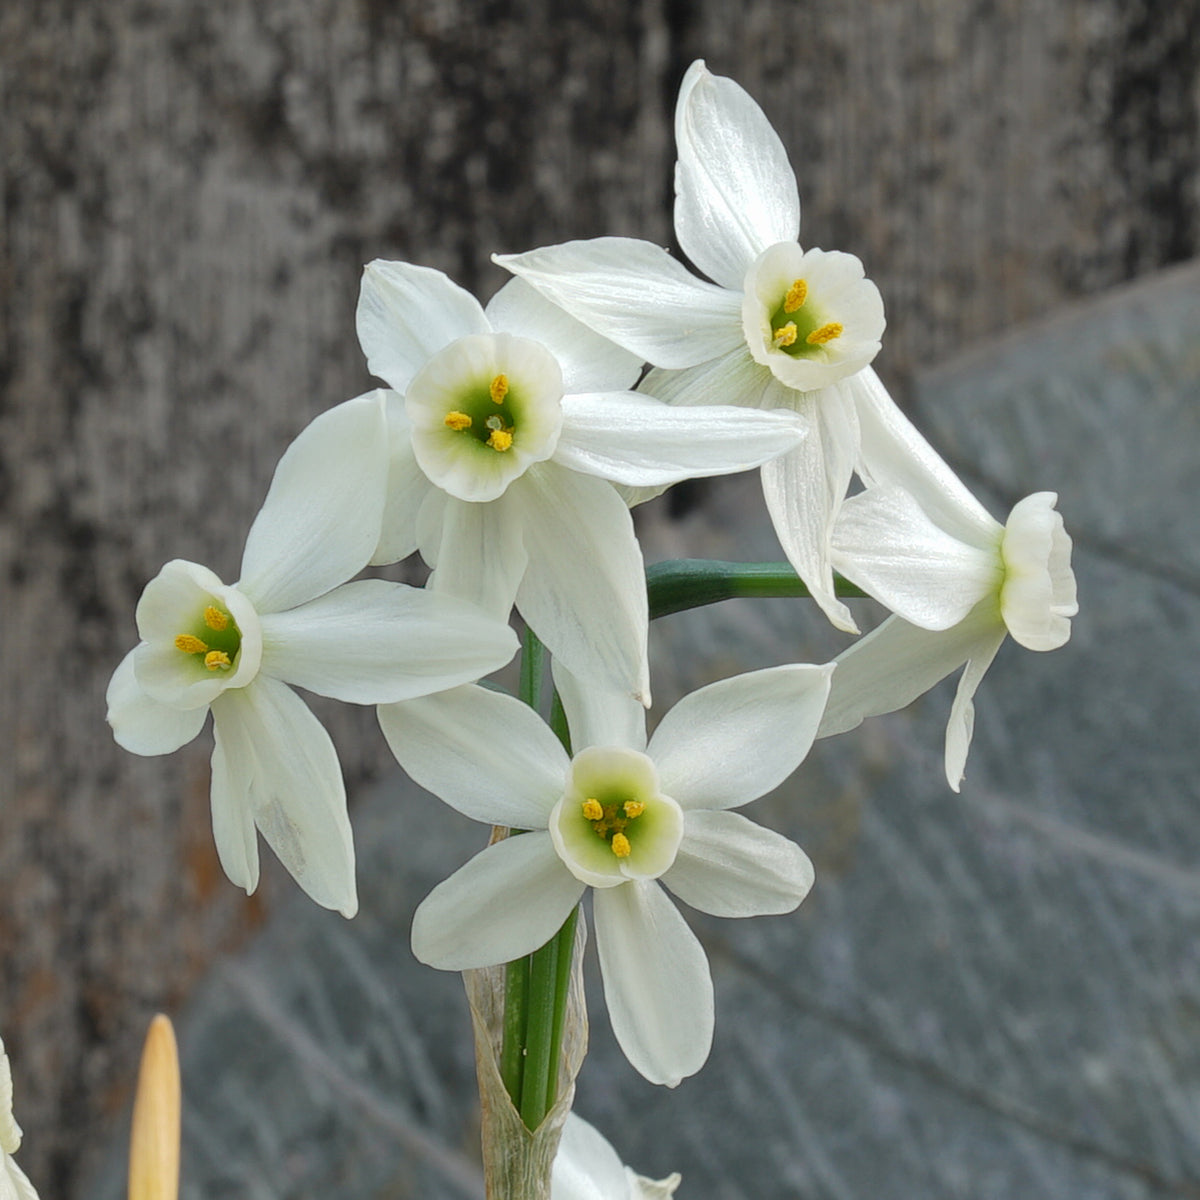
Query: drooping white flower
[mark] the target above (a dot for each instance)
(238, 649)
(958, 581)
(514, 424)
(781, 327)
(622, 817)
(14, 1184)
(586, 1167)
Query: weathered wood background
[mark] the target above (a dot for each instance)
(189, 193)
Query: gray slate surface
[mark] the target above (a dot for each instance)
(989, 995)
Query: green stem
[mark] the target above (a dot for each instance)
(512, 1055)
(533, 669)
(685, 583)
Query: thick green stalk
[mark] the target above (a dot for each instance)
(685, 583)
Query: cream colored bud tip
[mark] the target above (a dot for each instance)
(154, 1143)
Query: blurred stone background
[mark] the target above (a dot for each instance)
(189, 193)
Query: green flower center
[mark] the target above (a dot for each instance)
(486, 414)
(214, 639)
(611, 820)
(796, 328)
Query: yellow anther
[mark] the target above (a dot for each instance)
(620, 845)
(634, 808)
(785, 336)
(592, 810)
(498, 389)
(458, 421)
(217, 660)
(826, 333)
(214, 618)
(499, 439)
(190, 645)
(796, 296)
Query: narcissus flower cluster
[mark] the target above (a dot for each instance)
(506, 450)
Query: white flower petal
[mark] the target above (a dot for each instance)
(407, 487)
(589, 362)
(734, 740)
(234, 767)
(961, 724)
(805, 488)
(897, 662)
(295, 792)
(321, 521)
(656, 981)
(892, 451)
(636, 440)
(509, 900)
(730, 867)
(480, 555)
(734, 378)
(586, 1166)
(635, 293)
(584, 591)
(372, 642)
(735, 193)
(142, 725)
(1038, 598)
(886, 543)
(484, 753)
(598, 716)
(408, 313)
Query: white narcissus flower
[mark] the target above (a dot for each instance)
(14, 1184)
(780, 328)
(586, 1167)
(238, 649)
(621, 817)
(514, 425)
(958, 581)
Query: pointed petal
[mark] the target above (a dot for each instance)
(321, 520)
(506, 902)
(734, 378)
(142, 725)
(805, 488)
(234, 767)
(373, 642)
(897, 662)
(295, 791)
(736, 739)
(589, 362)
(480, 557)
(961, 725)
(584, 592)
(406, 314)
(407, 487)
(598, 716)
(886, 543)
(636, 294)
(484, 753)
(586, 1166)
(636, 440)
(656, 981)
(735, 193)
(891, 451)
(730, 867)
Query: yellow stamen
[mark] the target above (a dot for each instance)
(634, 808)
(500, 439)
(826, 333)
(458, 421)
(620, 845)
(190, 645)
(499, 389)
(796, 296)
(785, 336)
(592, 810)
(154, 1145)
(214, 618)
(217, 660)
